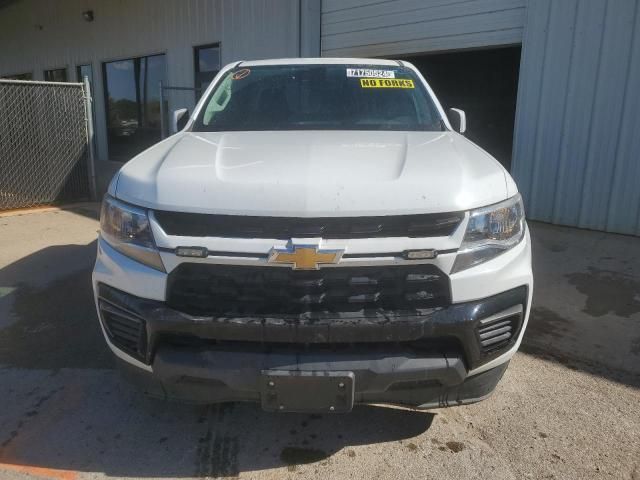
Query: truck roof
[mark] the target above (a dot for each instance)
(319, 61)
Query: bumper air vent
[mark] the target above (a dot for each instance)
(125, 330)
(496, 331)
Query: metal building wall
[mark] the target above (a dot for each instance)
(41, 34)
(577, 141)
(370, 28)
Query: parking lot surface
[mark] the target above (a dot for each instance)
(567, 408)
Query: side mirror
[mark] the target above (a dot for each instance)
(458, 120)
(179, 119)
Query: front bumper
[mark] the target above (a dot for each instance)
(215, 377)
(420, 361)
(436, 359)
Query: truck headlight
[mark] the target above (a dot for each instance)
(126, 228)
(491, 231)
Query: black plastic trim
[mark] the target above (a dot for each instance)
(458, 322)
(273, 291)
(284, 228)
(198, 377)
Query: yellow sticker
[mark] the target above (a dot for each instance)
(385, 83)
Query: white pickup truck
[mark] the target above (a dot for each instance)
(316, 235)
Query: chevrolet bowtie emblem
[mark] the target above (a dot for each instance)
(304, 257)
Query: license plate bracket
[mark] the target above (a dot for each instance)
(307, 391)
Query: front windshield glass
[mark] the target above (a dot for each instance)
(319, 97)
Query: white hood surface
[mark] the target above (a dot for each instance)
(314, 174)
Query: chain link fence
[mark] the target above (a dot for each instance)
(44, 152)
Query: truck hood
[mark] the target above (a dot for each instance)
(314, 173)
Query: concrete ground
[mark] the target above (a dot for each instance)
(567, 408)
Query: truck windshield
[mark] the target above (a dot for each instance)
(319, 97)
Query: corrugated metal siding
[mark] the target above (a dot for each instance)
(373, 28)
(577, 142)
(42, 34)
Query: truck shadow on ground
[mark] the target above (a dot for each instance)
(146, 438)
(71, 411)
(48, 316)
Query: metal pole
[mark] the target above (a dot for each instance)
(161, 111)
(88, 105)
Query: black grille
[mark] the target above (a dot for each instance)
(224, 291)
(496, 331)
(125, 330)
(204, 225)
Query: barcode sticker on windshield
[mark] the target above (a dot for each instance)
(368, 73)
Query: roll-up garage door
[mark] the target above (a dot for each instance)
(374, 28)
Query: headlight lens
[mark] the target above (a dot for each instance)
(126, 228)
(491, 231)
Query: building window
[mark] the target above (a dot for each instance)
(132, 97)
(19, 76)
(84, 71)
(207, 66)
(55, 75)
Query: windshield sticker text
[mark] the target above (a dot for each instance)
(369, 73)
(385, 83)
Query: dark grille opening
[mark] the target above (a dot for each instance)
(283, 228)
(495, 332)
(227, 291)
(125, 330)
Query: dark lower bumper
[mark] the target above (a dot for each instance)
(419, 360)
(142, 327)
(232, 376)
